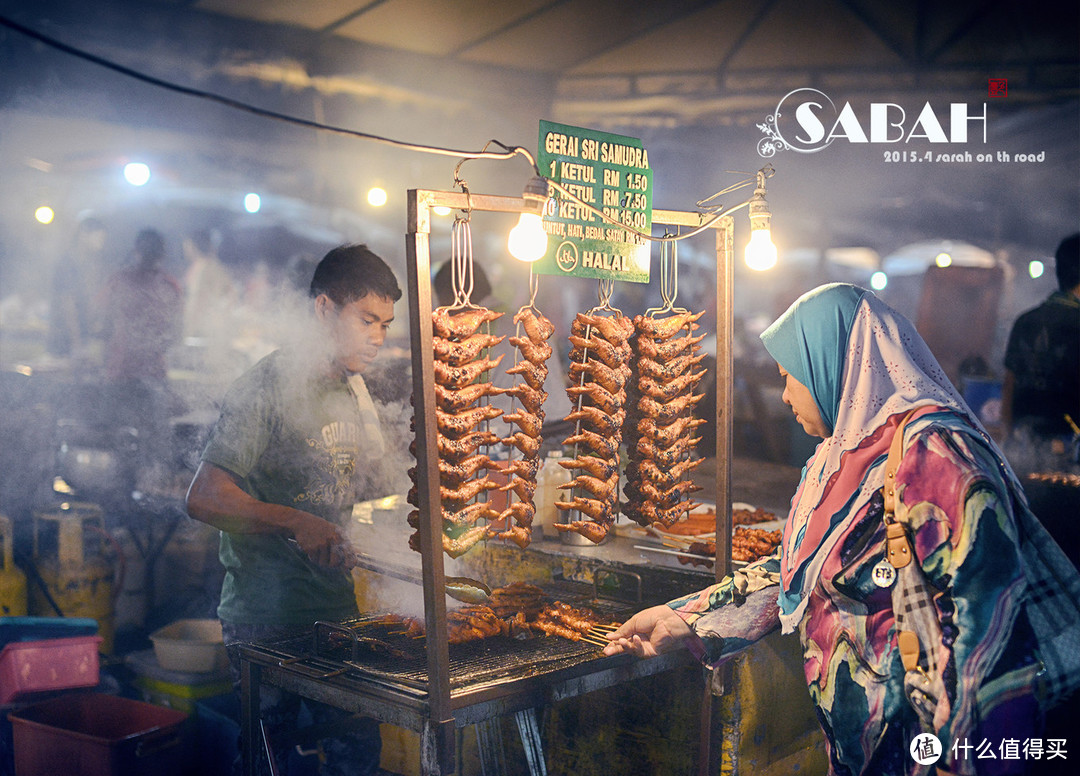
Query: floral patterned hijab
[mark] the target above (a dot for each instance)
(866, 366)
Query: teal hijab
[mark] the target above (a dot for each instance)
(810, 341)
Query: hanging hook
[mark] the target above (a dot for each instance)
(461, 263)
(669, 278)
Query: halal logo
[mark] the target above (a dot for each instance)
(566, 256)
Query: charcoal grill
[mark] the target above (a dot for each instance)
(367, 666)
(463, 685)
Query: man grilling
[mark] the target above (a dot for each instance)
(297, 444)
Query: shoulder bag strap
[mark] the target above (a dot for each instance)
(898, 549)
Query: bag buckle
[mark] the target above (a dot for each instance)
(897, 546)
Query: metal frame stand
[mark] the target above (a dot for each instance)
(442, 714)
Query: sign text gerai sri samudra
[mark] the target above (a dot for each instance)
(612, 174)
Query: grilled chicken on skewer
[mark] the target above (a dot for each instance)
(667, 412)
(665, 350)
(455, 474)
(528, 445)
(667, 479)
(665, 436)
(519, 535)
(532, 399)
(601, 468)
(601, 511)
(537, 327)
(670, 390)
(665, 328)
(613, 328)
(603, 489)
(455, 450)
(521, 512)
(534, 374)
(604, 446)
(528, 422)
(601, 422)
(662, 371)
(667, 497)
(459, 353)
(460, 325)
(536, 352)
(451, 400)
(467, 491)
(609, 354)
(665, 457)
(611, 380)
(459, 376)
(521, 487)
(598, 396)
(594, 532)
(464, 421)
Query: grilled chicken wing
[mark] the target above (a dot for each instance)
(664, 328)
(459, 353)
(537, 327)
(460, 325)
(459, 376)
(536, 352)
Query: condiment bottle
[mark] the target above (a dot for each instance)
(548, 478)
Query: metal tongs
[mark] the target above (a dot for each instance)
(468, 591)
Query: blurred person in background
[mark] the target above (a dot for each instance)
(141, 312)
(210, 305)
(298, 443)
(76, 282)
(209, 291)
(1041, 393)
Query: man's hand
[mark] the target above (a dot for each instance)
(649, 633)
(323, 542)
(216, 498)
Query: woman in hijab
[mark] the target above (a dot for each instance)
(853, 369)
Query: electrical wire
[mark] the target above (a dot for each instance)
(508, 152)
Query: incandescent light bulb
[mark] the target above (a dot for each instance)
(528, 240)
(760, 252)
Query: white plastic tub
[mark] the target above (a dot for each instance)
(191, 646)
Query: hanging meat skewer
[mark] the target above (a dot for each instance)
(528, 418)
(662, 448)
(600, 369)
(461, 412)
(461, 343)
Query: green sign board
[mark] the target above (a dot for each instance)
(612, 174)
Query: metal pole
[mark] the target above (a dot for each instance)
(439, 743)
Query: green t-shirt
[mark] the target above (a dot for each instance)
(297, 440)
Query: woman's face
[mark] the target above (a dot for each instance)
(798, 397)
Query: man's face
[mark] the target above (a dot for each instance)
(358, 329)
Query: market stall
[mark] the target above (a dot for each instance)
(441, 686)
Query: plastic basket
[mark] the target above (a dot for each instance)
(97, 735)
(28, 667)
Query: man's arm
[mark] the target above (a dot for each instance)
(216, 498)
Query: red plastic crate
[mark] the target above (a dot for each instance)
(91, 734)
(28, 667)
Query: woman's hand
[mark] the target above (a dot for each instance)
(649, 633)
